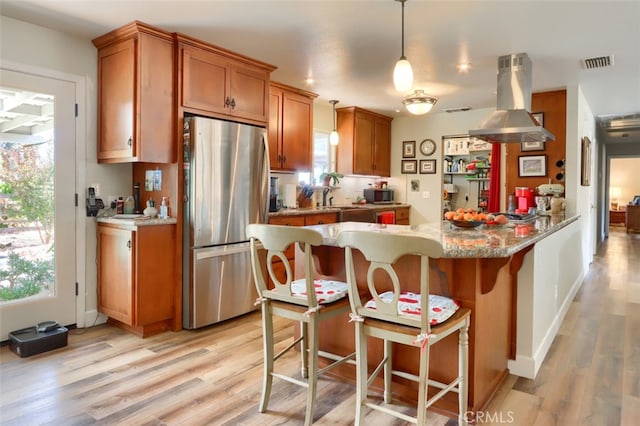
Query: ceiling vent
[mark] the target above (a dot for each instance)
(459, 109)
(599, 62)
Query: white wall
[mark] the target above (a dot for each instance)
(431, 126)
(34, 46)
(623, 173)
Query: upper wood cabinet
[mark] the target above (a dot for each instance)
(290, 128)
(136, 76)
(217, 82)
(365, 142)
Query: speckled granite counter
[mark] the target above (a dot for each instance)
(141, 221)
(482, 242)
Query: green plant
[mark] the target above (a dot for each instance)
(331, 178)
(23, 278)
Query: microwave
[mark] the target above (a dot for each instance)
(384, 195)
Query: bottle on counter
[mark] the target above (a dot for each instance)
(164, 209)
(129, 205)
(119, 206)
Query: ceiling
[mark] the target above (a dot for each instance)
(349, 48)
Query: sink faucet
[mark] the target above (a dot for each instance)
(324, 197)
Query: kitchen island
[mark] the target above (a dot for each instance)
(480, 269)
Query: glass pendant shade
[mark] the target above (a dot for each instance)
(403, 75)
(419, 103)
(334, 139)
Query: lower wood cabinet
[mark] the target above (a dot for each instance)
(136, 276)
(402, 216)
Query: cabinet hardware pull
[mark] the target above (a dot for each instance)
(233, 103)
(284, 159)
(227, 102)
(130, 141)
(129, 244)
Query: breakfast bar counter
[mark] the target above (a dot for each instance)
(479, 269)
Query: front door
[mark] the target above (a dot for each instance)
(37, 189)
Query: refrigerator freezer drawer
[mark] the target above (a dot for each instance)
(222, 285)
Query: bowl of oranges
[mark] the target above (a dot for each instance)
(471, 218)
(466, 218)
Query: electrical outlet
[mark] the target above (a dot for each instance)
(96, 187)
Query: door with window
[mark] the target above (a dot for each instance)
(37, 209)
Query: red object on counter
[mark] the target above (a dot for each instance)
(526, 198)
(387, 218)
(522, 230)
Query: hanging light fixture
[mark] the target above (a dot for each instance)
(419, 103)
(402, 73)
(333, 136)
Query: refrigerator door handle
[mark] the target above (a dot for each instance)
(208, 253)
(266, 170)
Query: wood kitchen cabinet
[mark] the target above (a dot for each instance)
(402, 216)
(290, 128)
(219, 83)
(365, 142)
(136, 95)
(136, 276)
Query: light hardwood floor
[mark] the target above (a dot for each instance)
(591, 375)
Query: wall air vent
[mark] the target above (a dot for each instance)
(459, 109)
(599, 62)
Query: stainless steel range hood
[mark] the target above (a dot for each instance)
(512, 121)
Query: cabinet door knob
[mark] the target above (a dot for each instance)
(129, 244)
(227, 102)
(233, 104)
(130, 141)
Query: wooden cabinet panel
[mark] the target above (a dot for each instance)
(216, 82)
(115, 273)
(290, 128)
(320, 218)
(136, 76)
(136, 276)
(292, 220)
(633, 218)
(365, 142)
(402, 216)
(204, 80)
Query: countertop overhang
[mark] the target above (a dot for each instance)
(336, 209)
(484, 241)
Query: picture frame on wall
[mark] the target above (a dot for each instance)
(428, 167)
(408, 149)
(539, 116)
(409, 166)
(532, 165)
(531, 146)
(585, 158)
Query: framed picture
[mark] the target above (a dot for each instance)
(409, 166)
(539, 116)
(532, 165)
(585, 170)
(408, 149)
(532, 146)
(428, 167)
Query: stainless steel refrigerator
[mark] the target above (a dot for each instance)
(226, 178)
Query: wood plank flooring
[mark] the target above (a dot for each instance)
(106, 376)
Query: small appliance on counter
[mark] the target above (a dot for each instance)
(378, 195)
(525, 198)
(274, 188)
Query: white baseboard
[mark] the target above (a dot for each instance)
(526, 366)
(94, 317)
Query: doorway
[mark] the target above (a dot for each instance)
(37, 182)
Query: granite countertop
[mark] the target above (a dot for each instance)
(139, 221)
(484, 241)
(335, 209)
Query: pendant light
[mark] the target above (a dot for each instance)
(402, 73)
(419, 103)
(333, 136)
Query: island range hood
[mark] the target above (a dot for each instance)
(512, 122)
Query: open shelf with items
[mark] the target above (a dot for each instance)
(471, 183)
